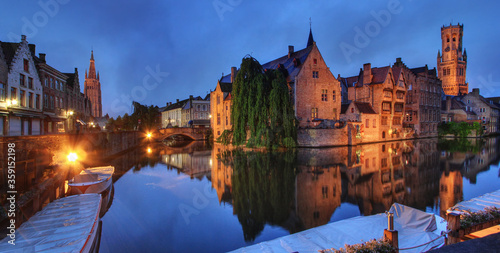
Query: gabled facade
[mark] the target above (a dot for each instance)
(422, 104)
(385, 92)
(196, 112)
(220, 104)
(362, 112)
(454, 109)
(171, 116)
(78, 106)
(23, 91)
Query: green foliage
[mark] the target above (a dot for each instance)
(475, 218)
(148, 115)
(225, 137)
(461, 129)
(460, 145)
(261, 105)
(372, 246)
(263, 188)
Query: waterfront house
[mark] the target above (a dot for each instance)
(364, 113)
(315, 92)
(23, 92)
(488, 111)
(171, 116)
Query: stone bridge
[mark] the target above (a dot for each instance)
(197, 134)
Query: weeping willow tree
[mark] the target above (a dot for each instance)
(261, 105)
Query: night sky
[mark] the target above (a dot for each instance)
(154, 52)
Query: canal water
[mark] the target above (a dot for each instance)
(214, 199)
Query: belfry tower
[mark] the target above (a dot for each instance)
(92, 88)
(452, 65)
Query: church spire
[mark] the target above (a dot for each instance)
(92, 74)
(310, 41)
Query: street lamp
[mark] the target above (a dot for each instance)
(72, 157)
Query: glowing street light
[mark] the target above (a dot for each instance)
(72, 157)
(70, 113)
(148, 135)
(149, 150)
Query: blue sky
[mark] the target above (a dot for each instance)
(154, 52)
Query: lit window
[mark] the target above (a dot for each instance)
(324, 95)
(314, 113)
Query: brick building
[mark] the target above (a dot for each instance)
(454, 109)
(385, 92)
(315, 92)
(92, 88)
(23, 91)
(78, 106)
(423, 99)
(364, 113)
(54, 97)
(452, 64)
(4, 113)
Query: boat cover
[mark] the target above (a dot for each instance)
(62, 226)
(479, 203)
(92, 176)
(414, 227)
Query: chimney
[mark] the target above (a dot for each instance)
(233, 74)
(290, 51)
(177, 100)
(23, 37)
(367, 73)
(42, 57)
(475, 91)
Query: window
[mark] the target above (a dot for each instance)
(227, 121)
(386, 106)
(30, 99)
(37, 101)
(204, 107)
(52, 83)
(334, 98)
(383, 162)
(409, 116)
(396, 121)
(30, 82)
(45, 101)
(22, 96)
(22, 80)
(46, 81)
(57, 102)
(374, 123)
(218, 118)
(51, 102)
(198, 107)
(324, 192)
(334, 113)
(398, 107)
(315, 74)
(387, 94)
(383, 121)
(324, 95)
(314, 113)
(13, 93)
(315, 61)
(400, 95)
(2, 92)
(26, 65)
(367, 163)
(218, 99)
(61, 103)
(352, 110)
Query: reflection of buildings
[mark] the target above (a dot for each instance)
(196, 164)
(450, 190)
(221, 174)
(318, 190)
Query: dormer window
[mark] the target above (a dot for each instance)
(315, 61)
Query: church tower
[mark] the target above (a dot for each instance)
(452, 64)
(92, 88)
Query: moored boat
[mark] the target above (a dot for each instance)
(92, 180)
(69, 224)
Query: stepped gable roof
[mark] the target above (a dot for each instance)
(364, 107)
(9, 50)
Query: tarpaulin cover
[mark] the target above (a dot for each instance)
(479, 203)
(62, 226)
(414, 228)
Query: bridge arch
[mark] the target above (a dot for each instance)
(196, 134)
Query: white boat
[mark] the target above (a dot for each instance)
(92, 180)
(418, 231)
(69, 224)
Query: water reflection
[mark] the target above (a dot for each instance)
(248, 197)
